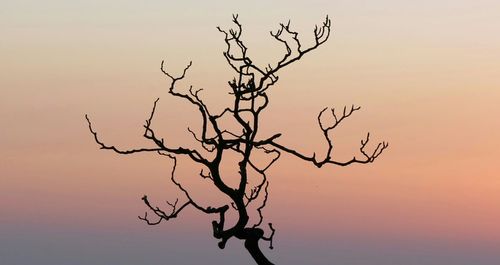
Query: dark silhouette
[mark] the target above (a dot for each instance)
(249, 91)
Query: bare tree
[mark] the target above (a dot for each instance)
(249, 93)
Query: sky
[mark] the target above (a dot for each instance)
(424, 72)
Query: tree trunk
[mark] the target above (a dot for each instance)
(252, 245)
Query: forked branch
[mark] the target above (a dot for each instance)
(368, 157)
(162, 215)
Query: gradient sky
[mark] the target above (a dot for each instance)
(426, 74)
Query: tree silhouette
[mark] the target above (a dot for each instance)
(248, 90)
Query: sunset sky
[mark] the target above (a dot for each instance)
(426, 73)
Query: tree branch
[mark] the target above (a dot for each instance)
(115, 149)
(367, 157)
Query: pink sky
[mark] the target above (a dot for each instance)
(425, 74)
